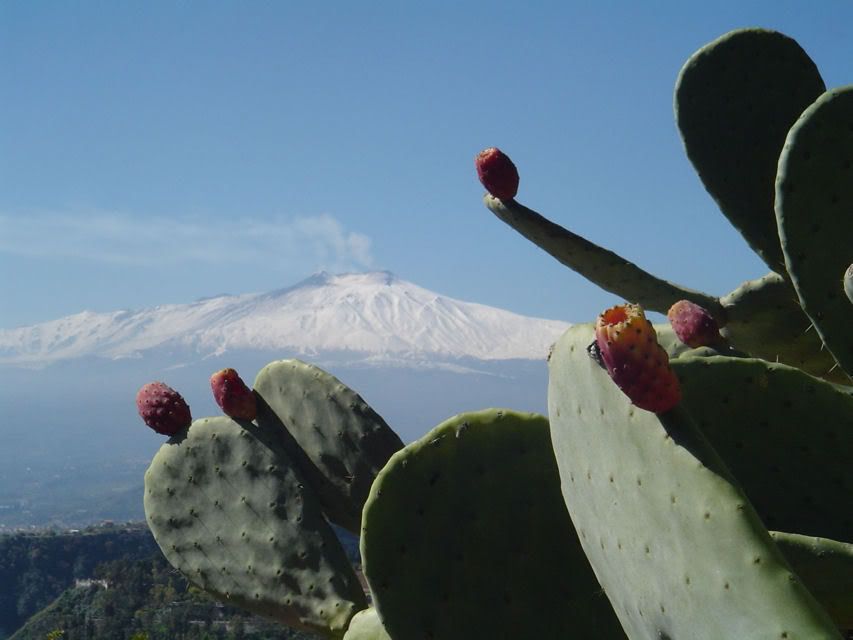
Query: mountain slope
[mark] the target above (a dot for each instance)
(36, 567)
(144, 598)
(375, 314)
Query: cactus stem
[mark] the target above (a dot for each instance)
(605, 268)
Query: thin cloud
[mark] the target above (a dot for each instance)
(121, 239)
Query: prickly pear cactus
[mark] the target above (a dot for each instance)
(229, 510)
(366, 625)
(765, 320)
(672, 538)
(735, 100)
(465, 535)
(787, 437)
(826, 567)
(814, 196)
(338, 441)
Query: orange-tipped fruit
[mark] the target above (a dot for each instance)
(635, 361)
(497, 173)
(162, 408)
(233, 396)
(693, 324)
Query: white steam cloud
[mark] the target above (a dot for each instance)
(320, 242)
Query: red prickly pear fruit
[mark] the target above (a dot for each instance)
(497, 173)
(162, 408)
(233, 396)
(635, 361)
(693, 325)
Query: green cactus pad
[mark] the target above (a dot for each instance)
(674, 542)
(735, 100)
(600, 266)
(826, 567)
(766, 321)
(814, 211)
(338, 441)
(465, 535)
(785, 435)
(228, 510)
(366, 625)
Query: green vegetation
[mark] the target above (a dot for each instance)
(36, 567)
(145, 600)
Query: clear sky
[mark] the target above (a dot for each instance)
(155, 152)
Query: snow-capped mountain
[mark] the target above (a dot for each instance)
(68, 422)
(372, 316)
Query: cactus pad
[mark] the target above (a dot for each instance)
(814, 210)
(466, 536)
(826, 566)
(338, 441)
(228, 510)
(674, 542)
(766, 321)
(786, 436)
(366, 625)
(735, 100)
(600, 266)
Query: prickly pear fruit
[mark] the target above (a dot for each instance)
(497, 173)
(233, 396)
(693, 324)
(848, 282)
(635, 361)
(162, 408)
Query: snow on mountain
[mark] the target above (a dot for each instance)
(375, 315)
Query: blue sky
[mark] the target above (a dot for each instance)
(164, 151)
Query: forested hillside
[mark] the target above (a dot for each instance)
(145, 600)
(36, 567)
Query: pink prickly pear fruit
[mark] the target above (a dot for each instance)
(848, 282)
(233, 396)
(162, 408)
(628, 346)
(497, 173)
(693, 325)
